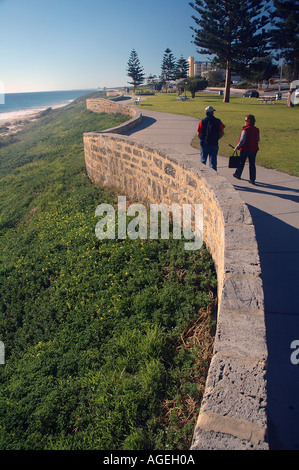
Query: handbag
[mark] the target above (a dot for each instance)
(234, 160)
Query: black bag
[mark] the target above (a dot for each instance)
(234, 161)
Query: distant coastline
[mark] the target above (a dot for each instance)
(14, 122)
(20, 106)
(14, 116)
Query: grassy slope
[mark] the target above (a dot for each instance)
(91, 328)
(279, 125)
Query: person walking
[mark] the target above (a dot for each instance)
(209, 131)
(248, 146)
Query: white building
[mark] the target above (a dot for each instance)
(198, 68)
(202, 68)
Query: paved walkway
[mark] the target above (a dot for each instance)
(273, 203)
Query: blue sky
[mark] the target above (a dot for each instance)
(80, 44)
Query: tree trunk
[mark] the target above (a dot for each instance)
(227, 83)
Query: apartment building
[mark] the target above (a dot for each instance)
(197, 67)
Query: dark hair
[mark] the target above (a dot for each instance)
(251, 119)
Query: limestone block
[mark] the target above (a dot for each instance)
(241, 335)
(239, 261)
(239, 236)
(236, 388)
(243, 293)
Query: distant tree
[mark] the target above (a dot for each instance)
(135, 71)
(168, 67)
(182, 66)
(232, 31)
(215, 77)
(261, 69)
(152, 81)
(195, 84)
(284, 35)
(287, 71)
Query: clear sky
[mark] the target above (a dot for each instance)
(81, 44)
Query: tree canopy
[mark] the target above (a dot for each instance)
(261, 69)
(135, 70)
(194, 84)
(168, 67)
(232, 31)
(284, 35)
(182, 67)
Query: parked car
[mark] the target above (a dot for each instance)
(251, 94)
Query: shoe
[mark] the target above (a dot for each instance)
(236, 176)
(252, 182)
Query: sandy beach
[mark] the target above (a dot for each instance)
(13, 122)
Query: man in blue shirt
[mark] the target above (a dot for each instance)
(209, 131)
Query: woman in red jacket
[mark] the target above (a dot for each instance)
(248, 146)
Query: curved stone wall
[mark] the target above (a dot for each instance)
(233, 411)
(99, 105)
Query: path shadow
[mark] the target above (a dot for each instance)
(271, 190)
(146, 122)
(125, 98)
(276, 187)
(279, 257)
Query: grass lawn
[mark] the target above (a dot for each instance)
(278, 124)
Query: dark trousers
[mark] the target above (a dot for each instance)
(252, 169)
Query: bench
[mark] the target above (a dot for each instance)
(266, 99)
(137, 100)
(182, 98)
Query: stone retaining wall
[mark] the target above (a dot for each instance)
(99, 105)
(233, 411)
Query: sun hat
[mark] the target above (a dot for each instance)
(210, 109)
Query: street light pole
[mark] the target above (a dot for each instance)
(280, 78)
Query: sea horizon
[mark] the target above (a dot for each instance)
(17, 105)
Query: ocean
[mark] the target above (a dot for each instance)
(17, 104)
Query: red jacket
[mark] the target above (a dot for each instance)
(249, 139)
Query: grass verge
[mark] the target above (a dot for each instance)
(107, 342)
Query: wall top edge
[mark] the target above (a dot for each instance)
(212, 179)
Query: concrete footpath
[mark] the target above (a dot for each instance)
(273, 203)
